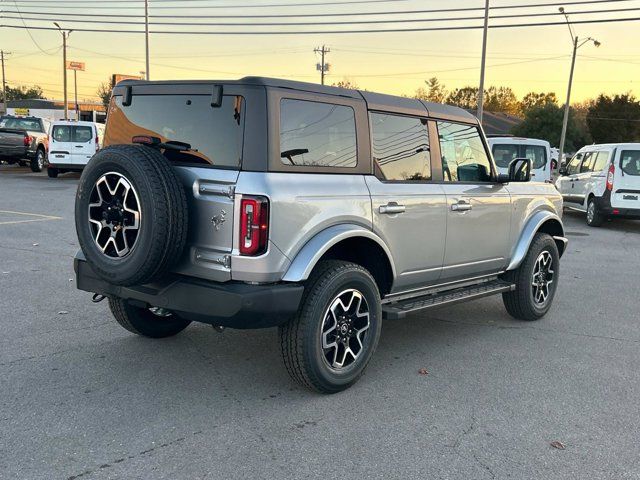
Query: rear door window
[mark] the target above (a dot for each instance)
(82, 134)
(504, 154)
(400, 147)
(464, 157)
(215, 134)
(601, 161)
(537, 154)
(62, 133)
(630, 162)
(317, 134)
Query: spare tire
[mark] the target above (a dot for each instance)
(131, 214)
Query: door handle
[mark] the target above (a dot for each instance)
(461, 206)
(392, 208)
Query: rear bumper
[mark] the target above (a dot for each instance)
(604, 205)
(230, 304)
(15, 153)
(66, 166)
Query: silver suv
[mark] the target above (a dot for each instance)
(261, 202)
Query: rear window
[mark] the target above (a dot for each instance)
(504, 154)
(215, 134)
(630, 162)
(71, 133)
(317, 134)
(21, 124)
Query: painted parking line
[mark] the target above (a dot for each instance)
(32, 217)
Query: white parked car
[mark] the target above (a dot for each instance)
(507, 149)
(71, 146)
(603, 181)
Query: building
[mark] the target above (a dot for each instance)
(54, 109)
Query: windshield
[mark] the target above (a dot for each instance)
(630, 162)
(30, 124)
(505, 153)
(214, 134)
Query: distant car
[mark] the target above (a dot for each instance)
(24, 140)
(603, 181)
(507, 149)
(72, 144)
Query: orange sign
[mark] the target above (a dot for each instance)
(71, 65)
(118, 77)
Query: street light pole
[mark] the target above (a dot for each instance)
(146, 35)
(483, 63)
(65, 36)
(567, 106)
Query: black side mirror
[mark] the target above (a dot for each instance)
(520, 170)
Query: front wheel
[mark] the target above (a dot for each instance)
(329, 343)
(536, 280)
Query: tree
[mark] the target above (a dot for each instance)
(435, 91)
(614, 119)
(22, 92)
(346, 83)
(533, 99)
(104, 92)
(501, 99)
(465, 97)
(545, 122)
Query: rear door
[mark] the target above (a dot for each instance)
(61, 145)
(409, 208)
(83, 144)
(626, 183)
(478, 208)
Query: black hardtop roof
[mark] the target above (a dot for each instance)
(375, 101)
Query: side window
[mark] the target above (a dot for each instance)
(587, 163)
(400, 147)
(601, 161)
(574, 164)
(82, 134)
(464, 158)
(317, 134)
(61, 133)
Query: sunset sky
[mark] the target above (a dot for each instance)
(525, 59)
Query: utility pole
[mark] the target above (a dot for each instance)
(4, 83)
(567, 106)
(65, 36)
(75, 87)
(483, 63)
(322, 67)
(146, 35)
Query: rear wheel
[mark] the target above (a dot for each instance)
(52, 172)
(536, 280)
(595, 218)
(147, 322)
(37, 162)
(329, 343)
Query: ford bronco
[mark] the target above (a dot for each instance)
(320, 210)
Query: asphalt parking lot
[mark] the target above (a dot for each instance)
(80, 397)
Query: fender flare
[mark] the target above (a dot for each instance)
(526, 237)
(314, 249)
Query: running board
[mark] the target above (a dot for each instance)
(398, 310)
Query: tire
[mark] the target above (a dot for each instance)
(144, 322)
(52, 172)
(521, 303)
(147, 216)
(37, 163)
(595, 218)
(332, 369)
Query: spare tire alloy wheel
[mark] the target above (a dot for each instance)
(346, 323)
(115, 215)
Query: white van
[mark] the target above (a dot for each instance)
(71, 146)
(603, 181)
(507, 149)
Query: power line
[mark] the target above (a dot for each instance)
(348, 22)
(345, 14)
(324, 32)
(173, 7)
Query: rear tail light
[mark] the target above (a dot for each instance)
(612, 171)
(27, 140)
(97, 143)
(254, 225)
